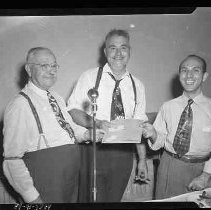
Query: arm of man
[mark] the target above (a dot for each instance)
(17, 133)
(202, 181)
(83, 128)
(156, 133)
(83, 119)
(79, 104)
(142, 170)
(149, 132)
(140, 114)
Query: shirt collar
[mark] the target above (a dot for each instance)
(107, 69)
(196, 99)
(40, 92)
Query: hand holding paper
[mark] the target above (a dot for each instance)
(149, 132)
(88, 136)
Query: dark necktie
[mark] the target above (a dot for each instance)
(183, 134)
(59, 116)
(117, 109)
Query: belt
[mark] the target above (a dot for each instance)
(190, 158)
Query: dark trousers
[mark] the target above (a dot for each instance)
(55, 172)
(174, 176)
(113, 165)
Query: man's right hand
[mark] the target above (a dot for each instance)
(103, 124)
(149, 132)
(37, 200)
(88, 135)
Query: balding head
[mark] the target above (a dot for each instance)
(198, 58)
(34, 52)
(41, 67)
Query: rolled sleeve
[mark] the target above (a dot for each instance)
(79, 132)
(207, 166)
(141, 102)
(159, 143)
(160, 127)
(79, 98)
(19, 177)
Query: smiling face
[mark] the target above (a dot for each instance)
(41, 77)
(192, 76)
(117, 51)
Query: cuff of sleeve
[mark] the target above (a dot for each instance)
(158, 143)
(207, 166)
(81, 134)
(30, 195)
(152, 146)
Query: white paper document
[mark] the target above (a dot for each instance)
(201, 198)
(124, 131)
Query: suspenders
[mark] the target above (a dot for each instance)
(34, 112)
(37, 119)
(135, 94)
(99, 75)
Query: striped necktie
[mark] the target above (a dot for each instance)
(59, 116)
(117, 109)
(182, 137)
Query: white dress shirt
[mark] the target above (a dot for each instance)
(80, 100)
(167, 121)
(21, 135)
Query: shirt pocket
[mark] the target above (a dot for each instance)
(202, 137)
(206, 129)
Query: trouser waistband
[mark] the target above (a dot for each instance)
(190, 158)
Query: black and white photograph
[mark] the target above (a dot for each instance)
(105, 108)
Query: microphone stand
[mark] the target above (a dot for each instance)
(93, 94)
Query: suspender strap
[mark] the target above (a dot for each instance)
(37, 121)
(34, 112)
(134, 89)
(99, 75)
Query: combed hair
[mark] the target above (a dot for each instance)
(117, 32)
(204, 64)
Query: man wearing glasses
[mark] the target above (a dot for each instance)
(41, 154)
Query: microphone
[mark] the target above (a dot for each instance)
(93, 94)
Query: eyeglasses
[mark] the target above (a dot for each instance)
(47, 66)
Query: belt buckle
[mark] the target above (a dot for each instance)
(178, 156)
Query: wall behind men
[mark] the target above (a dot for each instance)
(159, 43)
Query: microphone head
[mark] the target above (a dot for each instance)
(92, 94)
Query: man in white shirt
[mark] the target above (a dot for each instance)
(181, 170)
(41, 155)
(114, 161)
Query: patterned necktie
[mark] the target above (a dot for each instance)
(117, 109)
(183, 134)
(59, 116)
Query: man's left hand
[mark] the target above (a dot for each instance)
(88, 136)
(142, 172)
